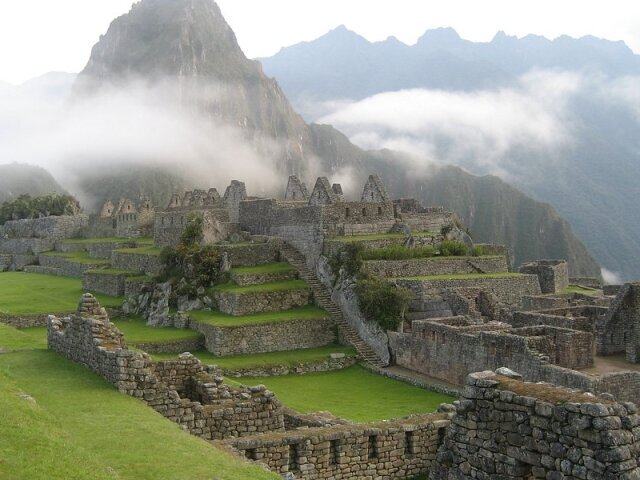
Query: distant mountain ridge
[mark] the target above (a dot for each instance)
(16, 179)
(188, 42)
(591, 179)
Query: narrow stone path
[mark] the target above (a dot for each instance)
(323, 298)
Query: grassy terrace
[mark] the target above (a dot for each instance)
(35, 293)
(582, 290)
(144, 250)
(381, 236)
(264, 287)
(290, 358)
(24, 339)
(78, 257)
(277, 267)
(115, 271)
(136, 331)
(465, 276)
(60, 421)
(352, 393)
(90, 241)
(220, 319)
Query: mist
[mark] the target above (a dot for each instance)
(132, 127)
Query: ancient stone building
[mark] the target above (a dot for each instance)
(553, 275)
(296, 190)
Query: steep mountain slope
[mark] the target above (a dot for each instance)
(16, 179)
(589, 177)
(187, 45)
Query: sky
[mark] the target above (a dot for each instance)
(39, 36)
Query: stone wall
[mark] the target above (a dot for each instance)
(449, 349)
(247, 303)
(330, 364)
(51, 228)
(146, 263)
(270, 337)
(105, 249)
(246, 279)
(67, 267)
(109, 283)
(175, 346)
(620, 331)
(402, 448)
(248, 255)
(553, 275)
(436, 266)
(507, 289)
(504, 428)
(532, 319)
(181, 390)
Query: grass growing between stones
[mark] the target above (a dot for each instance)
(59, 421)
(578, 289)
(144, 250)
(353, 393)
(36, 293)
(263, 287)
(382, 236)
(465, 276)
(24, 339)
(136, 331)
(272, 359)
(78, 257)
(220, 319)
(277, 267)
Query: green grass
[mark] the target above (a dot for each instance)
(24, 339)
(578, 289)
(382, 236)
(135, 331)
(352, 393)
(290, 358)
(115, 271)
(465, 276)
(36, 293)
(278, 267)
(78, 257)
(220, 319)
(280, 286)
(145, 250)
(89, 241)
(79, 427)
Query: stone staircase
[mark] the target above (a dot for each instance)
(323, 299)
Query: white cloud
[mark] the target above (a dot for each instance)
(611, 278)
(130, 127)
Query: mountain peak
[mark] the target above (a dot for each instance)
(444, 36)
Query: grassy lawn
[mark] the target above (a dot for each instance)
(352, 393)
(25, 339)
(90, 241)
(135, 331)
(144, 250)
(578, 289)
(465, 276)
(115, 271)
(74, 425)
(290, 358)
(280, 286)
(220, 319)
(382, 236)
(36, 293)
(277, 267)
(78, 257)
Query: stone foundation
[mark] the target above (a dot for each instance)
(436, 266)
(138, 262)
(247, 303)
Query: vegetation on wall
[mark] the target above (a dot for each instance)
(380, 300)
(199, 266)
(447, 248)
(26, 206)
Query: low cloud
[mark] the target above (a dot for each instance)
(611, 278)
(132, 127)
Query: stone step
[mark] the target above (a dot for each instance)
(42, 269)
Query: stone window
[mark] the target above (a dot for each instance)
(334, 452)
(162, 220)
(409, 445)
(373, 446)
(364, 212)
(379, 210)
(443, 339)
(371, 195)
(347, 212)
(294, 461)
(492, 348)
(251, 454)
(293, 195)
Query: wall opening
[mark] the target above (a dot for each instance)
(492, 348)
(373, 446)
(379, 210)
(294, 460)
(251, 454)
(334, 452)
(364, 212)
(409, 447)
(293, 195)
(347, 212)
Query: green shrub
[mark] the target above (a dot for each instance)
(350, 258)
(446, 230)
(26, 206)
(451, 248)
(382, 301)
(478, 251)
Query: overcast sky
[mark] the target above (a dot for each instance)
(38, 36)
